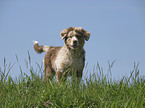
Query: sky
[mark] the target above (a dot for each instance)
(117, 30)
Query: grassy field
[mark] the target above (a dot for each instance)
(96, 91)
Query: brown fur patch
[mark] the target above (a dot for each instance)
(49, 59)
(38, 49)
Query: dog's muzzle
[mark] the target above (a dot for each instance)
(74, 42)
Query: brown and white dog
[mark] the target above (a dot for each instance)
(68, 60)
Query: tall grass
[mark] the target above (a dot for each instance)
(96, 91)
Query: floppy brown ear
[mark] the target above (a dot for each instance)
(64, 32)
(87, 35)
(83, 32)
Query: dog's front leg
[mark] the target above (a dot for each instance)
(60, 77)
(78, 77)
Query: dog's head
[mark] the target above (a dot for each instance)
(75, 37)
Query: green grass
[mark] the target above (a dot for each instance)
(96, 91)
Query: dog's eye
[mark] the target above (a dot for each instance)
(79, 37)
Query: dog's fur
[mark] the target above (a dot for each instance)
(66, 60)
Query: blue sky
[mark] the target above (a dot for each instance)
(117, 30)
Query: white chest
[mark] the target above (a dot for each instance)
(65, 60)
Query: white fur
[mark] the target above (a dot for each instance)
(67, 60)
(35, 42)
(46, 48)
(74, 38)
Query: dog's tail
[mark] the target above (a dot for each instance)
(40, 49)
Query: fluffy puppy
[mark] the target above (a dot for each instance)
(67, 60)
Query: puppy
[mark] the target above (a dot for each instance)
(68, 60)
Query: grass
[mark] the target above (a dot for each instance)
(96, 91)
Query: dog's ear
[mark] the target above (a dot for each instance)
(65, 32)
(87, 35)
(83, 32)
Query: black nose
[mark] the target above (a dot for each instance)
(74, 42)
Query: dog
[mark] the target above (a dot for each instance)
(67, 60)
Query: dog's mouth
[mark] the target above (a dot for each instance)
(73, 46)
